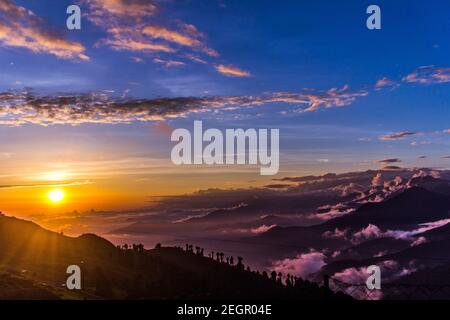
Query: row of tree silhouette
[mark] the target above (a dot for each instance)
(290, 281)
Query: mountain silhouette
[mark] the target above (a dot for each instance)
(409, 208)
(34, 262)
(413, 206)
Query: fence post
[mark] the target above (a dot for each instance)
(326, 286)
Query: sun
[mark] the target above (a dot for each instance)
(56, 195)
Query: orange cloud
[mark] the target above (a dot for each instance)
(232, 71)
(189, 39)
(169, 35)
(21, 28)
(130, 8)
(125, 38)
(128, 28)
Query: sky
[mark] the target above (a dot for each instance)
(91, 111)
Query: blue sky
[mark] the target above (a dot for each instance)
(285, 47)
(367, 84)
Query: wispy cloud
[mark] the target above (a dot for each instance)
(402, 135)
(168, 63)
(393, 160)
(67, 184)
(397, 135)
(130, 26)
(334, 97)
(21, 28)
(19, 108)
(102, 11)
(386, 83)
(158, 32)
(422, 75)
(137, 59)
(428, 75)
(189, 37)
(232, 71)
(128, 39)
(391, 168)
(195, 58)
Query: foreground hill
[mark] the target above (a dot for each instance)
(33, 263)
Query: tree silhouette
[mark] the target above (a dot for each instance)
(273, 276)
(240, 265)
(280, 278)
(288, 281)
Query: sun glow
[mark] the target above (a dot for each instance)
(56, 195)
(55, 176)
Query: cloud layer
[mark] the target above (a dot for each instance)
(19, 108)
(21, 28)
(130, 26)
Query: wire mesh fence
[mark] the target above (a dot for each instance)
(392, 291)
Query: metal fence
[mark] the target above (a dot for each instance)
(391, 291)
